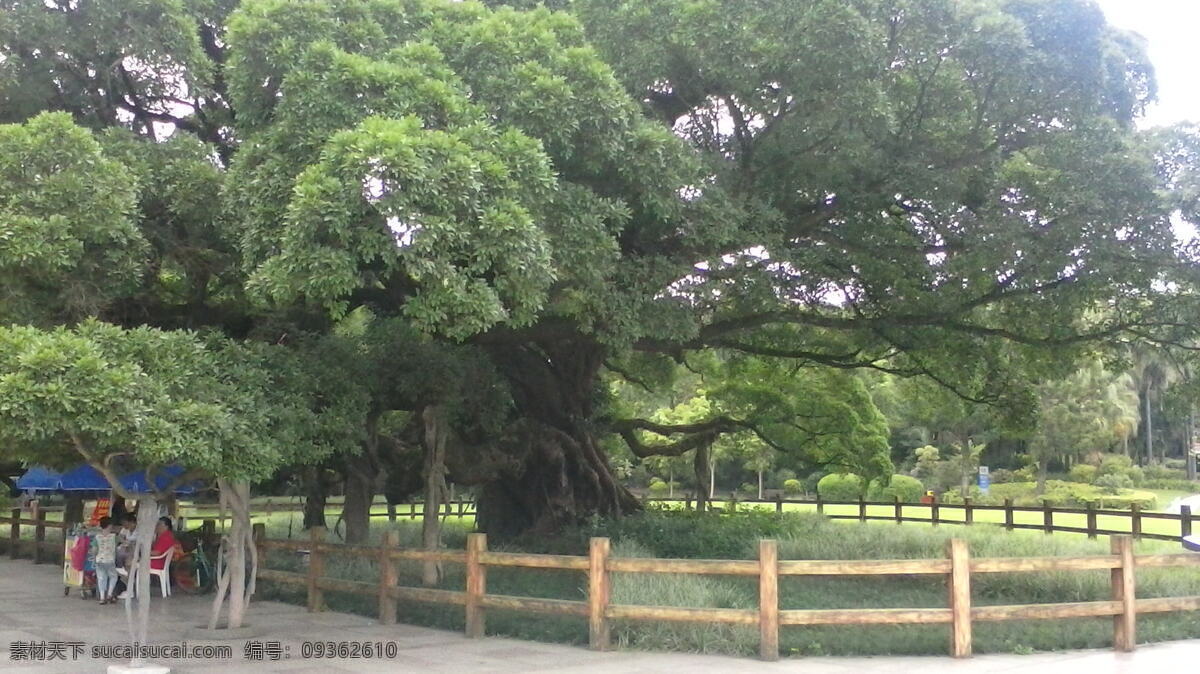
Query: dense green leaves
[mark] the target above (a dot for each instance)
(69, 243)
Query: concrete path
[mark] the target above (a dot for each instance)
(32, 609)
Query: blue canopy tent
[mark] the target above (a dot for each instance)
(87, 478)
(38, 479)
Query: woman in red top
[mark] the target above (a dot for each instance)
(164, 542)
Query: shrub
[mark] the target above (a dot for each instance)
(658, 487)
(1085, 473)
(840, 487)
(792, 487)
(1175, 485)
(810, 482)
(748, 490)
(907, 489)
(1113, 483)
(1026, 474)
(1003, 476)
(1115, 464)
(1164, 473)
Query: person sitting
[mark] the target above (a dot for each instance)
(164, 543)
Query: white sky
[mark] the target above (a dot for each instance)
(1171, 29)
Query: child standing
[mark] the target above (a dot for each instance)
(106, 560)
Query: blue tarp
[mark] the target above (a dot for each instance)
(86, 478)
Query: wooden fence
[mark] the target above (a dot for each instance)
(935, 513)
(957, 568)
(40, 549)
(896, 512)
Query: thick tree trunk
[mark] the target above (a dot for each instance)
(1149, 429)
(436, 431)
(704, 476)
(356, 511)
(560, 475)
(73, 508)
(316, 492)
(137, 609)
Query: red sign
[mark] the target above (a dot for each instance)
(101, 510)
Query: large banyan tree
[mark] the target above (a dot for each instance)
(939, 188)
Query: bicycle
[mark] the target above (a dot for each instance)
(193, 573)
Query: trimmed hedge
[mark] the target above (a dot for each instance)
(840, 487)
(907, 489)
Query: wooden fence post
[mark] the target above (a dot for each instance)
(316, 568)
(1136, 524)
(779, 503)
(599, 590)
(862, 508)
(960, 597)
(14, 533)
(1123, 591)
(1091, 520)
(934, 511)
(768, 600)
(820, 505)
(968, 512)
(39, 531)
(899, 511)
(1047, 517)
(388, 577)
(476, 584)
(1185, 521)
(1008, 514)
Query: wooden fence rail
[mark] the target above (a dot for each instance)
(957, 567)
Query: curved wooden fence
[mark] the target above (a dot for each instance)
(957, 568)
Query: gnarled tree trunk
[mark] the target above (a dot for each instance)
(563, 476)
(237, 548)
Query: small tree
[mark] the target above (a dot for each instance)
(143, 398)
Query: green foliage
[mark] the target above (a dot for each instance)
(811, 482)
(151, 397)
(1164, 473)
(1063, 494)
(658, 487)
(1115, 464)
(1002, 475)
(1113, 483)
(69, 243)
(792, 487)
(840, 487)
(907, 489)
(1085, 473)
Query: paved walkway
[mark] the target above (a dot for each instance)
(32, 609)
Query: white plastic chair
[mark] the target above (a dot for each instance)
(164, 574)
